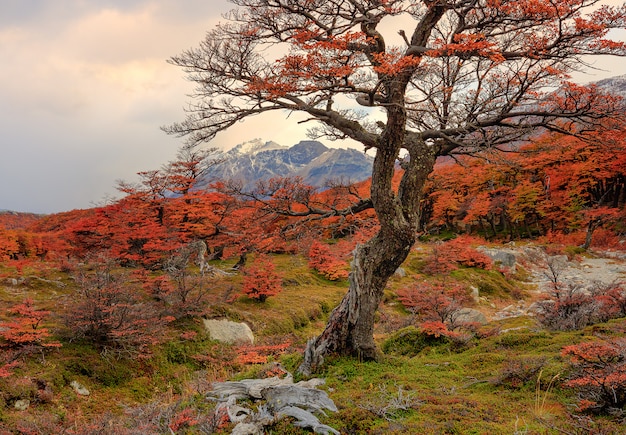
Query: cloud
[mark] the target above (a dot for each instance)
(85, 92)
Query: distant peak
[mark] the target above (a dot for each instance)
(255, 146)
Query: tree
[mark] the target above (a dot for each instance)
(25, 328)
(261, 280)
(469, 75)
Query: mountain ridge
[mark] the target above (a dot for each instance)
(255, 160)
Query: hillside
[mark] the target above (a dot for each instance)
(507, 375)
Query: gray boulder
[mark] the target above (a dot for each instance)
(470, 315)
(504, 257)
(228, 332)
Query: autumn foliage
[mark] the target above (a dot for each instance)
(25, 328)
(261, 279)
(435, 303)
(598, 373)
(326, 262)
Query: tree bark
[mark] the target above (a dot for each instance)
(350, 328)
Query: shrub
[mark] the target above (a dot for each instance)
(448, 256)
(25, 329)
(435, 302)
(598, 373)
(567, 308)
(322, 259)
(260, 279)
(111, 314)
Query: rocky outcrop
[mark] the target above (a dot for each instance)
(275, 398)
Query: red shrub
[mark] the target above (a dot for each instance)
(599, 373)
(322, 259)
(112, 313)
(435, 302)
(26, 328)
(447, 256)
(260, 279)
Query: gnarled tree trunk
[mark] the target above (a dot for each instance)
(350, 328)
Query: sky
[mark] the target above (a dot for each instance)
(85, 88)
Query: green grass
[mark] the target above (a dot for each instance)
(504, 383)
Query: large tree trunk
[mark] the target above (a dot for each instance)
(350, 328)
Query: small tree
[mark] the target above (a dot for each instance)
(260, 279)
(25, 329)
(599, 373)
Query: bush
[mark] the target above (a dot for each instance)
(260, 280)
(322, 259)
(25, 328)
(568, 307)
(435, 302)
(598, 374)
(112, 315)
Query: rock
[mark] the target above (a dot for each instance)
(22, 404)
(505, 257)
(79, 388)
(400, 272)
(470, 315)
(475, 294)
(247, 429)
(275, 398)
(228, 332)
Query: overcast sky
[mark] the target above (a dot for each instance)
(84, 88)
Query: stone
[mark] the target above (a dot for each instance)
(470, 315)
(228, 332)
(79, 388)
(400, 272)
(475, 294)
(504, 257)
(22, 404)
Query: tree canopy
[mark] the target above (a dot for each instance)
(469, 74)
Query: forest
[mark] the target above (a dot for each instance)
(444, 295)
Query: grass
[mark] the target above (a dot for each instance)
(503, 383)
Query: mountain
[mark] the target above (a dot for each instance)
(256, 160)
(615, 85)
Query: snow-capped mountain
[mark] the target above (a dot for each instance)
(256, 160)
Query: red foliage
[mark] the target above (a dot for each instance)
(182, 420)
(260, 354)
(323, 260)
(260, 279)
(437, 329)
(5, 369)
(458, 251)
(435, 302)
(112, 313)
(599, 373)
(26, 328)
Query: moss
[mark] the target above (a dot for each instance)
(489, 283)
(410, 341)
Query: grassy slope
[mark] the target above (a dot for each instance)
(488, 385)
